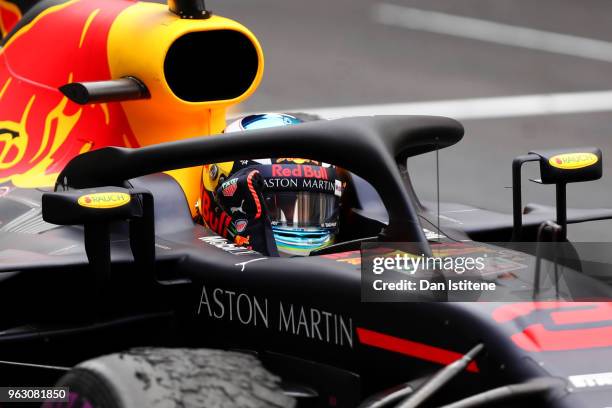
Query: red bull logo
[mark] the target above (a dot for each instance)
(218, 222)
(296, 161)
(299, 170)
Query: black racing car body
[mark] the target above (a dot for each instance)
(184, 286)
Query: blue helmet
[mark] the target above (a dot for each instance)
(302, 196)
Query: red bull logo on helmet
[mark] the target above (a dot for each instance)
(299, 170)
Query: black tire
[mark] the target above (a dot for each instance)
(173, 378)
(86, 389)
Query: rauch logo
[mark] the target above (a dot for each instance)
(104, 200)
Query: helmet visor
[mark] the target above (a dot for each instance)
(302, 209)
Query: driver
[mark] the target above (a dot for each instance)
(276, 206)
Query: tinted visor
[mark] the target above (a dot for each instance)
(300, 209)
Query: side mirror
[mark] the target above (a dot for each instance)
(95, 209)
(75, 207)
(569, 165)
(560, 166)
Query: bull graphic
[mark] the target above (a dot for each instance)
(40, 129)
(9, 16)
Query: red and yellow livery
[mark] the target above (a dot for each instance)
(99, 40)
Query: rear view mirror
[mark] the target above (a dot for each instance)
(569, 165)
(559, 166)
(87, 206)
(96, 209)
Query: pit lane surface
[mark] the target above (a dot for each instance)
(343, 53)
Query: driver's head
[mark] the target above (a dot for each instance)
(301, 196)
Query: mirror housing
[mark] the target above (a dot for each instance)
(569, 165)
(559, 167)
(75, 207)
(96, 209)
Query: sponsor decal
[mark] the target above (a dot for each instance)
(299, 184)
(227, 246)
(243, 265)
(242, 241)
(282, 317)
(262, 161)
(350, 257)
(229, 187)
(296, 161)
(447, 249)
(241, 225)
(299, 170)
(317, 184)
(282, 183)
(591, 380)
(218, 221)
(352, 261)
(338, 188)
(432, 235)
(572, 161)
(558, 326)
(238, 209)
(104, 200)
(410, 348)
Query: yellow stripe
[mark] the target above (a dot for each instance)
(86, 26)
(28, 26)
(5, 86)
(126, 141)
(86, 147)
(104, 108)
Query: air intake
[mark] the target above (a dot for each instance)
(209, 66)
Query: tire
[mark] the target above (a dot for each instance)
(173, 378)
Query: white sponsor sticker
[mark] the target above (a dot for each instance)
(282, 317)
(227, 246)
(591, 380)
(338, 188)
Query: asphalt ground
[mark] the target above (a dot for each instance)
(339, 53)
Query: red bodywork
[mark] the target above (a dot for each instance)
(9, 16)
(40, 129)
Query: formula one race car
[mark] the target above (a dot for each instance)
(112, 292)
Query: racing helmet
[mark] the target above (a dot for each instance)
(302, 196)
